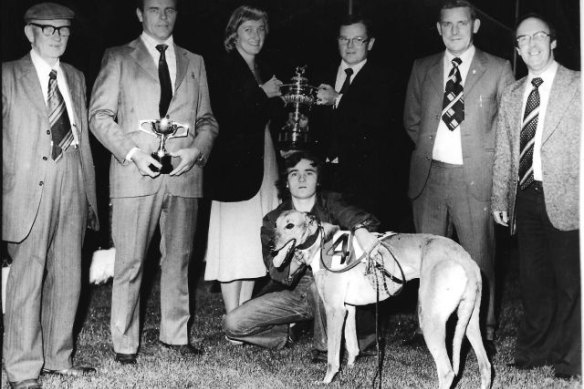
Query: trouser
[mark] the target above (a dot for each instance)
(40, 310)
(549, 277)
(134, 222)
(445, 205)
(265, 320)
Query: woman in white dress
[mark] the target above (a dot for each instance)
(242, 170)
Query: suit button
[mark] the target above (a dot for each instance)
(45, 158)
(41, 183)
(48, 132)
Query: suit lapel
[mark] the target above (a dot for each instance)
(475, 72)
(74, 88)
(436, 74)
(32, 86)
(515, 107)
(181, 66)
(560, 96)
(143, 58)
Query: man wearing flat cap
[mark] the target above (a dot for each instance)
(48, 199)
(152, 79)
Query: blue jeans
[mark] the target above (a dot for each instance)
(265, 320)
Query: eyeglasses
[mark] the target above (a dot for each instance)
(358, 41)
(523, 40)
(49, 30)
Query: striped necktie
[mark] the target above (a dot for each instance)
(61, 134)
(453, 103)
(527, 136)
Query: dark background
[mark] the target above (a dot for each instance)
(301, 32)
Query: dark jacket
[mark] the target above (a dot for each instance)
(235, 168)
(330, 208)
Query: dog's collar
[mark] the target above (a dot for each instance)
(308, 242)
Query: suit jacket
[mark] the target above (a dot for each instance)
(560, 150)
(26, 145)
(126, 91)
(243, 110)
(486, 79)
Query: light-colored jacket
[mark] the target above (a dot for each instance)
(26, 145)
(486, 79)
(126, 91)
(559, 150)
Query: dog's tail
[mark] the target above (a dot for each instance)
(465, 311)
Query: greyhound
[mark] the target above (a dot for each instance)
(449, 281)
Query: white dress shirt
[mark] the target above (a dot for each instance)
(43, 70)
(447, 145)
(341, 76)
(544, 95)
(170, 54)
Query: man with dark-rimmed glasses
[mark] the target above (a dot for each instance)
(48, 196)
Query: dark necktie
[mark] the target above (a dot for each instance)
(165, 84)
(527, 136)
(453, 104)
(61, 134)
(347, 83)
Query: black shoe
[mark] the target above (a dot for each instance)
(490, 348)
(566, 376)
(125, 359)
(318, 356)
(78, 371)
(183, 349)
(26, 384)
(415, 341)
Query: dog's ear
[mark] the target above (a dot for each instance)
(329, 230)
(282, 254)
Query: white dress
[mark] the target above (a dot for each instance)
(234, 248)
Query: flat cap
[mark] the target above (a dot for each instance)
(48, 11)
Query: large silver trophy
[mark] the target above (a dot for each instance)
(164, 129)
(300, 97)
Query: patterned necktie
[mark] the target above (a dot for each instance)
(165, 84)
(453, 104)
(61, 134)
(527, 136)
(347, 83)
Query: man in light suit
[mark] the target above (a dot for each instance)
(535, 193)
(451, 166)
(48, 199)
(146, 79)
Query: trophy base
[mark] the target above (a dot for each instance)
(164, 161)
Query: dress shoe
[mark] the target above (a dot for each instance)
(71, 372)
(490, 348)
(415, 341)
(318, 356)
(183, 349)
(125, 359)
(26, 384)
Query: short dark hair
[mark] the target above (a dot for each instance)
(358, 18)
(291, 161)
(240, 15)
(449, 4)
(140, 4)
(534, 15)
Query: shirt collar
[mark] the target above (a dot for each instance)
(41, 65)
(547, 76)
(151, 43)
(355, 68)
(465, 57)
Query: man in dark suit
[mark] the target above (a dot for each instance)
(451, 103)
(48, 199)
(354, 126)
(535, 193)
(147, 79)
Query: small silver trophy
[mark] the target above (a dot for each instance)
(300, 97)
(164, 129)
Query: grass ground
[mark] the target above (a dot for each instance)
(227, 366)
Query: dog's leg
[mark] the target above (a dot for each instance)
(335, 317)
(473, 333)
(351, 336)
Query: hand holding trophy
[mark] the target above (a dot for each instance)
(164, 129)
